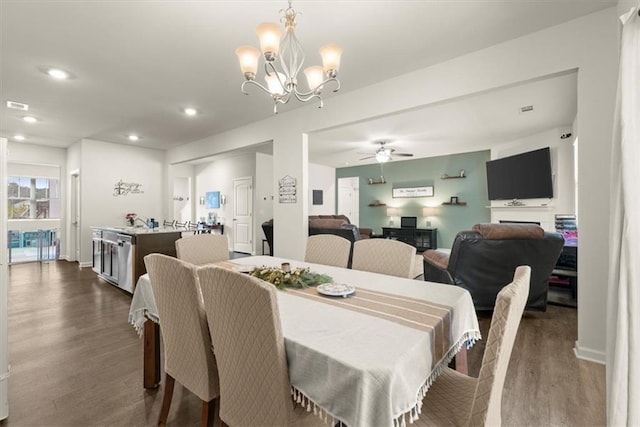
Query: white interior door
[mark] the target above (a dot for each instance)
(243, 215)
(349, 198)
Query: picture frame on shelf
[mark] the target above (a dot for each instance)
(454, 200)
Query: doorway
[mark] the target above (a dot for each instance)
(349, 198)
(243, 215)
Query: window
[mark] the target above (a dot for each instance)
(33, 198)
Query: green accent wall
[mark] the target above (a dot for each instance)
(449, 220)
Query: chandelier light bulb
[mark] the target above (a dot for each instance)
(315, 76)
(248, 57)
(269, 35)
(274, 84)
(331, 55)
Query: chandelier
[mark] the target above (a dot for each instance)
(282, 79)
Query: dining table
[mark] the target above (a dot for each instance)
(367, 358)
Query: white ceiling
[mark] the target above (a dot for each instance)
(136, 63)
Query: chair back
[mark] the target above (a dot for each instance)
(384, 256)
(328, 249)
(244, 321)
(484, 259)
(202, 249)
(187, 343)
(502, 334)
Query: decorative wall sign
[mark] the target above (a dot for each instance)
(426, 191)
(287, 190)
(123, 188)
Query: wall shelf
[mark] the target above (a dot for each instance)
(521, 207)
(377, 204)
(459, 175)
(455, 204)
(376, 182)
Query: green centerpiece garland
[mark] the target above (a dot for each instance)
(284, 278)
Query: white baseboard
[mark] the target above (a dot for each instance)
(85, 264)
(590, 355)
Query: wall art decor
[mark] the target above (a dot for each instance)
(212, 199)
(123, 188)
(287, 190)
(426, 191)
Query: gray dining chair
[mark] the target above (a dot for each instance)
(328, 249)
(250, 351)
(384, 256)
(188, 358)
(202, 249)
(456, 399)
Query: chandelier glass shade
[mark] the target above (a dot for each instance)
(284, 57)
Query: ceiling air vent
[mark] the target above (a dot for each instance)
(17, 105)
(526, 109)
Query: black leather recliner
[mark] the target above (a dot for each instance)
(484, 260)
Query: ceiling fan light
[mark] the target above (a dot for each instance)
(269, 35)
(315, 76)
(383, 155)
(331, 54)
(248, 57)
(273, 83)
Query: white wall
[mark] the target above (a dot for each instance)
(4, 304)
(561, 151)
(263, 198)
(322, 178)
(589, 44)
(102, 165)
(218, 176)
(186, 208)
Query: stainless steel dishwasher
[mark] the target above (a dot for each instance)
(97, 250)
(125, 262)
(109, 270)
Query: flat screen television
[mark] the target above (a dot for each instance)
(523, 176)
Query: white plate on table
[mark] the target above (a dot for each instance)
(336, 289)
(243, 268)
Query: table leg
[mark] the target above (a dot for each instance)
(151, 354)
(461, 361)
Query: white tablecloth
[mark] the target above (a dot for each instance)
(357, 368)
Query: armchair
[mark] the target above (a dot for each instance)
(484, 260)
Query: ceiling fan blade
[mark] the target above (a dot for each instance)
(368, 157)
(403, 154)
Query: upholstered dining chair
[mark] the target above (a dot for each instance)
(250, 351)
(455, 399)
(188, 358)
(384, 256)
(328, 249)
(202, 249)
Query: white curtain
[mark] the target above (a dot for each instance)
(623, 310)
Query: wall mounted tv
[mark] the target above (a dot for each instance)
(523, 176)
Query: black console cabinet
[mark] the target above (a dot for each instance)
(421, 238)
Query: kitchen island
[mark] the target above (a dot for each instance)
(118, 252)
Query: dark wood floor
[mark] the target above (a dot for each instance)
(75, 360)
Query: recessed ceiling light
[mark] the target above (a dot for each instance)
(190, 111)
(17, 105)
(133, 137)
(29, 119)
(58, 74)
(19, 137)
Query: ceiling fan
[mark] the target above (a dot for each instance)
(384, 154)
